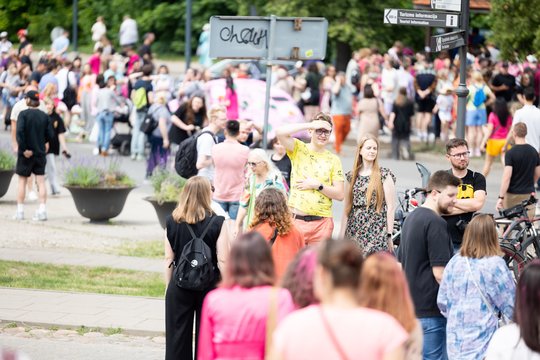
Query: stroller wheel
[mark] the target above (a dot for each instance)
(125, 148)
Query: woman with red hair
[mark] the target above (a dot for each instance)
(384, 288)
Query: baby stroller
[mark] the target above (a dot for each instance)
(121, 138)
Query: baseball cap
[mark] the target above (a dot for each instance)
(3, 34)
(32, 95)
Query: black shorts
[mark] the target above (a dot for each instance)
(425, 105)
(33, 165)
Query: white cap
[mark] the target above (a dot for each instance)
(3, 34)
(531, 58)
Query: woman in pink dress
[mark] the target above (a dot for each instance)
(338, 328)
(231, 97)
(235, 316)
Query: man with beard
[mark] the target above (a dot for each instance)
(471, 193)
(424, 251)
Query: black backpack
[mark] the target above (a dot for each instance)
(195, 270)
(185, 161)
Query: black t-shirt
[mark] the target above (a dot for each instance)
(177, 135)
(145, 50)
(33, 131)
(284, 165)
(402, 122)
(523, 159)
(25, 59)
(179, 236)
(425, 243)
(508, 80)
(58, 127)
(470, 183)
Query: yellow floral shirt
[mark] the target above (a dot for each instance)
(323, 166)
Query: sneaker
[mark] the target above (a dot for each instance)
(40, 216)
(19, 215)
(133, 156)
(95, 151)
(140, 157)
(32, 196)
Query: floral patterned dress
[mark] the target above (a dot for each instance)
(365, 225)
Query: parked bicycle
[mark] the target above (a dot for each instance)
(520, 241)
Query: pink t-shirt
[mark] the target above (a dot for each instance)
(499, 132)
(95, 63)
(361, 333)
(230, 158)
(233, 322)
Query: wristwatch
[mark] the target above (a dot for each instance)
(321, 187)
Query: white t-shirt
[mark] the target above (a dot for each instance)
(205, 143)
(62, 78)
(506, 344)
(530, 116)
(21, 106)
(98, 30)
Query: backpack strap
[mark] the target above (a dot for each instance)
(193, 236)
(207, 132)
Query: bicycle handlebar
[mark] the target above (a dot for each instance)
(517, 210)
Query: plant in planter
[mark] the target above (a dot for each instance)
(7, 169)
(167, 188)
(98, 187)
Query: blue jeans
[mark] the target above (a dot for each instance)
(434, 338)
(230, 207)
(137, 136)
(105, 121)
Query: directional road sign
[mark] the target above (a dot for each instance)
(421, 18)
(449, 5)
(448, 41)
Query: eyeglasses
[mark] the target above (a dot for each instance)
(253, 164)
(324, 132)
(463, 154)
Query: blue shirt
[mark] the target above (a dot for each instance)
(472, 322)
(46, 79)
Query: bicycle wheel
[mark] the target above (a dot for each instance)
(514, 260)
(530, 249)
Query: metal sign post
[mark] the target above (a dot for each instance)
(268, 38)
(457, 20)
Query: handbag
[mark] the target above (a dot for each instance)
(70, 95)
(502, 319)
(149, 124)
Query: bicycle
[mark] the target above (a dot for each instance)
(520, 241)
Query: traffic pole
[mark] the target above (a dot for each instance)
(462, 90)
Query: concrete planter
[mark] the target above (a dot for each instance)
(99, 204)
(5, 180)
(162, 210)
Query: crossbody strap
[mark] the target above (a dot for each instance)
(274, 237)
(481, 293)
(333, 338)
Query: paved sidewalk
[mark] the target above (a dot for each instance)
(66, 257)
(134, 315)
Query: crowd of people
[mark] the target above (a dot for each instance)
(249, 255)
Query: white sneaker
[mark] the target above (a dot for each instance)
(40, 216)
(133, 156)
(140, 157)
(19, 215)
(95, 151)
(32, 196)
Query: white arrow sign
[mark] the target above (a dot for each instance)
(390, 16)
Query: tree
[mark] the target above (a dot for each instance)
(352, 24)
(516, 27)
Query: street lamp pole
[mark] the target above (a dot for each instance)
(187, 51)
(462, 90)
(74, 32)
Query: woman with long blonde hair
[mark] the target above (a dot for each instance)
(193, 216)
(370, 200)
(384, 288)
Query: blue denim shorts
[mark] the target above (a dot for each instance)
(476, 117)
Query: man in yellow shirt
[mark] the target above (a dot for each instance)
(316, 177)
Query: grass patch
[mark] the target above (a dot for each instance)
(11, 325)
(144, 249)
(101, 280)
(113, 331)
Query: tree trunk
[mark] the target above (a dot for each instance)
(344, 54)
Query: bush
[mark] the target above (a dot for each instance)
(91, 173)
(167, 186)
(7, 160)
